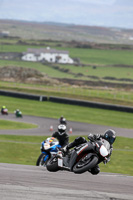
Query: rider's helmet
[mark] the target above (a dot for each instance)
(61, 129)
(110, 136)
(3, 107)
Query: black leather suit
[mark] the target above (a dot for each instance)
(62, 138)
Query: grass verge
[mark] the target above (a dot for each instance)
(6, 124)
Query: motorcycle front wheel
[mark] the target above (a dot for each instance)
(52, 164)
(40, 160)
(84, 164)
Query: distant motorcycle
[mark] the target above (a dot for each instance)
(48, 148)
(18, 114)
(62, 120)
(4, 111)
(80, 159)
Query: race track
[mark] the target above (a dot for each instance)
(21, 182)
(44, 125)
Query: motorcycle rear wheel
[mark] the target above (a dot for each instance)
(83, 165)
(52, 164)
(40, 160)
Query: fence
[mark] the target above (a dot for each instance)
(68, 101)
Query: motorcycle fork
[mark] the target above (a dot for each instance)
(46, 156)
(73, 160)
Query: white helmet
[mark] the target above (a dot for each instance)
(61, 129)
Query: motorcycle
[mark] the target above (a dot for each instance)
(80, 159)
(4, 111)
(63, 121)
(18, 114)
(48, 148)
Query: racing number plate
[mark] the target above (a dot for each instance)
(60, 162)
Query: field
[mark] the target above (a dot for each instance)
(87, 56)
(108, 66)
(74, 72)
(96, 65)
(107, 75)
(66, 32)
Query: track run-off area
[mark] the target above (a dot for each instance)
(27, 182)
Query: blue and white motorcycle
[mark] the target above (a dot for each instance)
(48, 148)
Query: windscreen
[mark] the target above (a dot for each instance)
(106, 144)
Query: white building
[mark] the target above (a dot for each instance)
(48, 55)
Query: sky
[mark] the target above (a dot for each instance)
(106, 13)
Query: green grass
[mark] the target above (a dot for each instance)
(92, 56)
(97, 56)
(6, 124)
(99, 72)
(103, 59)
(112, 96)
(42, 68)
(26, 149)
(72, 113)
(122, 157)
(102, 71)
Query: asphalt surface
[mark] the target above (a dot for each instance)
(32, 182)
(21, 182)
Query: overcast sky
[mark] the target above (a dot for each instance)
(109, 13)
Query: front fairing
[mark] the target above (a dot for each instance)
(53, 148)
(106, 144)
(98, 147)
(42, 146)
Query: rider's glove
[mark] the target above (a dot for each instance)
(106, 161)
(94, 137)
(91, 137)
(65, 149)
(97, 136)
(111, 151)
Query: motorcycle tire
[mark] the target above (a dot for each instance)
(52, 164)
(40, 160)
(82, 166)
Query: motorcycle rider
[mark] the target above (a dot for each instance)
(61, 135)
(3, 108)
(16, 111)
(62, 120)
(109, 135)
